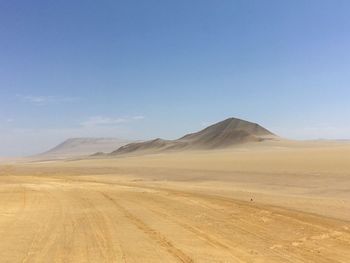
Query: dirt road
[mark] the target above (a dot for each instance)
(84, 219)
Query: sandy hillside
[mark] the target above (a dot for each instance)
(76, 147)
(272, 202)
(224, 134)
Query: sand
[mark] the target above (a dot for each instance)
(276, 202)
(76, 147)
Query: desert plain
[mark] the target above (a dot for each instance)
(272, 202)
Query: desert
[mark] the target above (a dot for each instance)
(269, 201)
(166, 131)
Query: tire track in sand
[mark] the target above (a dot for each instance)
(156, 236)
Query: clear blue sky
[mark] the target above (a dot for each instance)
(142, 69)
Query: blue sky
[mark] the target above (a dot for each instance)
(144, 69)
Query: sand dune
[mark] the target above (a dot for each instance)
(276, 201)
(224, 134)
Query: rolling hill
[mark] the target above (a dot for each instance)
(223, 134)
(76, 147)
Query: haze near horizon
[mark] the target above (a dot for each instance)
(175, 131)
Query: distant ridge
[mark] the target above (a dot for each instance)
(75, 147)
(223, 134)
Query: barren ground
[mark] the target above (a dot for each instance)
(267, 204)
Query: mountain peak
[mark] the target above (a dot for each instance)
(227, 133)
(239, 124)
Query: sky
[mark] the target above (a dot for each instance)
(163, 68)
